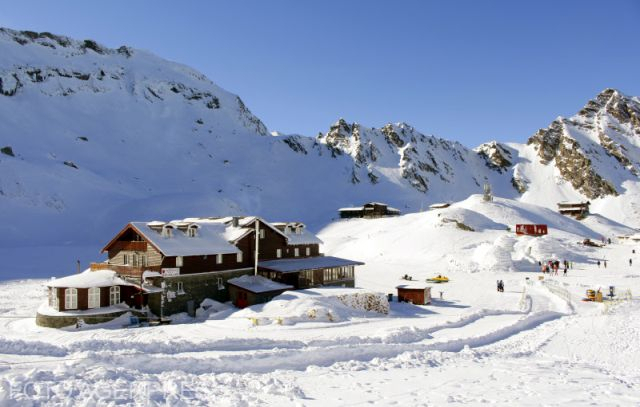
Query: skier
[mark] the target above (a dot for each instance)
(605, 264)
(598, 263)
(630, 262)
(565, 271)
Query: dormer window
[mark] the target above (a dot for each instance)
(167, 231)
(192, 230)
(298, 230)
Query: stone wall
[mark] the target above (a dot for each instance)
(61, 321)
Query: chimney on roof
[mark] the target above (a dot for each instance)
(235, 221)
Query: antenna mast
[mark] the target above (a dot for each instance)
(257, 234)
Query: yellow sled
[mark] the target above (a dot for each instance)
(438, 279)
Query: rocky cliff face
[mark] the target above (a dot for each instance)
(61, 66)
(584, 147)
(400, 151)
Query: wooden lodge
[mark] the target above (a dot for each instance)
(531, 230)
(171, 267)
(576, 209)
(368, 210)
(414, 293)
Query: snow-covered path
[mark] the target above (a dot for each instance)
(265, 364)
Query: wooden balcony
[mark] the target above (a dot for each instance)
(123, 270)
(130, 246)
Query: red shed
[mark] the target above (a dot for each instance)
(414, 293)
(531, 230)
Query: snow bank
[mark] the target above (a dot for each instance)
(209, 306)
(470, 218)
(496, 256)
(294, 307)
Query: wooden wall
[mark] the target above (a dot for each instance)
(126, 292)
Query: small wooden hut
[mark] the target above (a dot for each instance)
(531, 230)
(414, 293)
(250, 290)
(575, 209)
(369, 210)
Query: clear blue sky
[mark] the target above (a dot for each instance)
(470, 71)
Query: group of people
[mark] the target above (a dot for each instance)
(553, 266)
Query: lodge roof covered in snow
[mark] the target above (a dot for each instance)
(88, 279)
(296, 233)
(258, 284)
(308, 263)
(211, 235)
(174, 238)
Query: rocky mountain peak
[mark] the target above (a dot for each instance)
(610, 101)
(496, 155)
(60, 42)
(595, 146)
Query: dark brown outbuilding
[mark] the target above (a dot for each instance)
(415, 294)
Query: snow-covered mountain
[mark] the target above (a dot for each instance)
(92, 137)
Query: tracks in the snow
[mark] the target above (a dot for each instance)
(259, 355)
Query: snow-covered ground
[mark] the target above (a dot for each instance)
(535, 344)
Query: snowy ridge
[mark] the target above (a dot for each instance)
(93, 137)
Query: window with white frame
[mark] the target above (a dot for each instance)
(180, 287)
(308, 251)
(261, 233)
(278, 253)
(134, 259)
(220, 284)
(296, 252)
(179, 261)
(71, 298)
(125, 259)
(239, 257)
(94, 297)
(191, 231)
(114, 295)
(218, 259)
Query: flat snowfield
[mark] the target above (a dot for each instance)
(536, 343)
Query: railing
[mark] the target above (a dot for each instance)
(555, 288)
(132, 246)
(123, 270)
